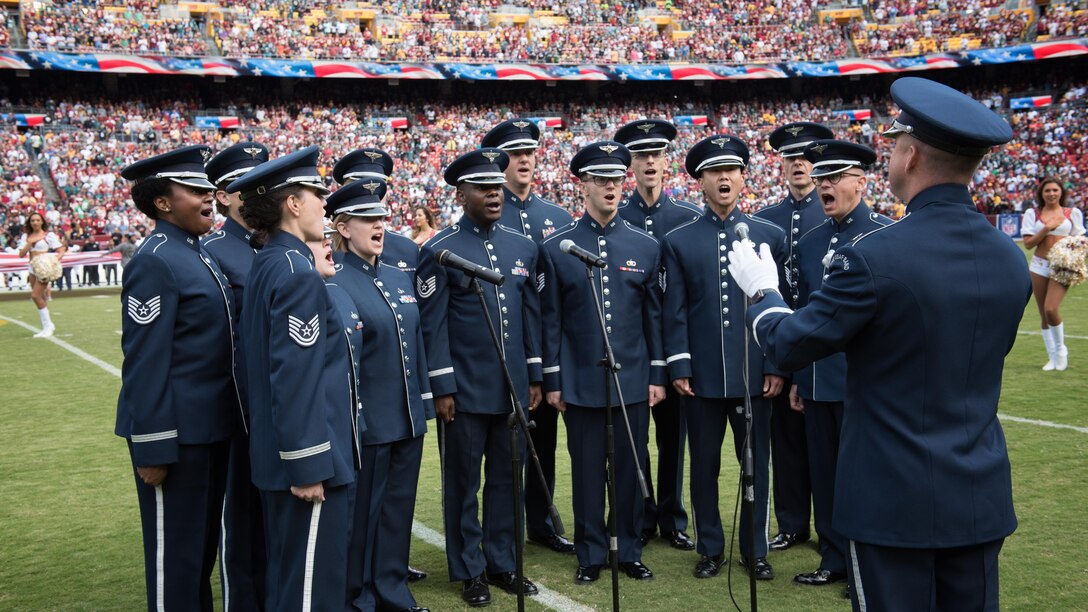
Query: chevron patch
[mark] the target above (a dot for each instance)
(304, 333)
(143, 312)
(661, 280)
(540, 283)
(425, 288)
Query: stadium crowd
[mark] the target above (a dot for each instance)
(86, 143)
(1063, 20)
(577, 32)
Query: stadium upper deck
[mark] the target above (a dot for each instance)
(730, 31)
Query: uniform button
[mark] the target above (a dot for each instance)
(795, 296)
(400, 317)
(834, 240)
(528, 227)
(725, 323)
(721, 235)
(725, 298)
(490, 247)
(608, 317)
(649, 221)
(794, 243)
(723, 259)
(379, 283)
(406, 358)
(494, 258)
(725, 272)
(407, 373)
(506, 336)
(386, 293)
(524, 215)
(796, 229)
(505, 323)
(608, 329)
(606, 291)
(721, 247)
(825, 278)
(502, 296)
(404, 344)
(504, 309)
(604, 253)
(796, 216)
(725, 311)
(393, 305)
(601, 242)
(607, 304)
(724, 285)
(402, 330)
(604, 278)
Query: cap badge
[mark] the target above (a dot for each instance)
(609, 149)
(819, 149)
(206, 154)
(373, 155)
(721, 142)
(646, 127)
(490, 155)
(521, 125)
(371, 186)
(253, 151)
(795, 130)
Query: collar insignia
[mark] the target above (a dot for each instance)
(253, 151)
(609, 149)
(646, 127)
(720, 142)
(819, 149)
(521, 125)
(795, 130)
(373, 155)
(490, 155)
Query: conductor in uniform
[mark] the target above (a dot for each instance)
(631, 298)
(648, 209)
(525, 211)
(926, 310)
(796, 214)
(179, 404)
(241, 547)
(705, 349)
(838, 168)
(473, 408)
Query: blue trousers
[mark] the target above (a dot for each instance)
(381, 534)
(707, 420)
(180, 521)
(307, 549)
(920, 580)
(665, 508)
(587, 443)
(823, 422)
(792, 489)
(241, 545)
(474, 547)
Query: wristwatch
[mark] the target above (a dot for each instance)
(762, 293)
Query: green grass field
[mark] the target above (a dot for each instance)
(69, 527)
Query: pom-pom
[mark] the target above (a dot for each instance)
(1067, 261)
(46, 267)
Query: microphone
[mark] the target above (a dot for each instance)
(589, 259)
(742, 231)
(448, 259)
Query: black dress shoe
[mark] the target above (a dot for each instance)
(680, 540)
(762, 569)
(708, 567)
(636, 570)
(508, 581)
(555, 542)
(418, 609)
(475, 593)
(415, 575)
(785, 541)
(820, 577)
(647, 535)
(587, 574)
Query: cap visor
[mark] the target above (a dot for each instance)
(368, 212)
(498, 180)
(194, 182)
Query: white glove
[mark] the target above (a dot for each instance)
(753, 272)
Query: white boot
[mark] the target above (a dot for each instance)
(1049, 341)
(47, 323)
(1061, 354)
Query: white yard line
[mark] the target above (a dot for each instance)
(547, 597)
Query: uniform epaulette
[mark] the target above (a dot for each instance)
(765, 222)
(640, 232)
(560, 232)
(686, 204)
(442, 235)
(682, 225)
(866, 235)
(294, 257)
(816, 227)
(153, 242)
(510, 231)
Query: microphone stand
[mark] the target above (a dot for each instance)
(748, 475)
(514, 421)
(611, 376)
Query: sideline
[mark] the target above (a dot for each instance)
(547, 597)
(1035, 333)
